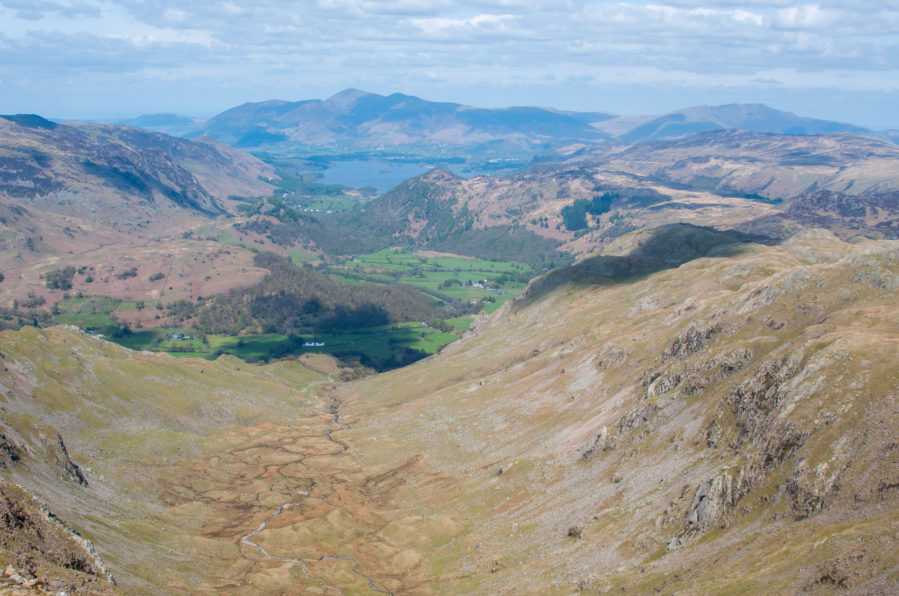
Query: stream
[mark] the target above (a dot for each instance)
(246, 539)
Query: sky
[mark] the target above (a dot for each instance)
(837, 60)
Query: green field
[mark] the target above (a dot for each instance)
(326, 203)
(93, 312)
(299, 256)
(399, 265)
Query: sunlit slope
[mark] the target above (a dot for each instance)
(725, 426)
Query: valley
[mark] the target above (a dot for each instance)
(665, 367)
(614, 427)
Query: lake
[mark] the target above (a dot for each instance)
(381, 176)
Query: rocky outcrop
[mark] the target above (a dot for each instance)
(35, 537)
(9, 452)
(711, 503)
(602, 442)
(67, 469)
(757, 401)
(690, 341)
(661, 383)
(721, 366)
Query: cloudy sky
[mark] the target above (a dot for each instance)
(93, 59)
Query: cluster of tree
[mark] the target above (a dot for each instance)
(621, 225)
(402, 356)
(60, 279)
(332, 236)
(130, 272)
(15, 318)
(181, 310)
(31, 301)
(295, 300)
(83, 270)
(500, 243)
(574, 216)
(279, 233)
(115, 329)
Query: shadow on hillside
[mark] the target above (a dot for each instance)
(638, 255)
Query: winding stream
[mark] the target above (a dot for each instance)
(246, 539)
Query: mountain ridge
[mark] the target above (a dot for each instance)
(369, 120)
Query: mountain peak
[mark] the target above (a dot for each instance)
(346, 99)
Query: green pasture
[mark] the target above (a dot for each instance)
(92, 312)
(299, 256)
(432, 272)
(335, 203)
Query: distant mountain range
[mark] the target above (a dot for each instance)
(366, 120)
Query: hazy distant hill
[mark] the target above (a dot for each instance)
(368, 120)
(751, 117)
(371, 120)
(170, 124)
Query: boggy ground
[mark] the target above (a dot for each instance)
(287, 512)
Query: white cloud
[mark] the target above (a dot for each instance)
(232, 9)
(34, 10)
(806, 16)
(174, 15)
(447, 26)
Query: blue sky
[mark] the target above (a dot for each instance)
(93, 59)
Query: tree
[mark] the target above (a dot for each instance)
(574, 216)
(60, 279)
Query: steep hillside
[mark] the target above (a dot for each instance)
(93, 197)
(104, 436)
(125, 178)
(725, 426)
(872, 215)
(691, 412)
(29, 235)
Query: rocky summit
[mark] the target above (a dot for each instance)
(690, 412)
